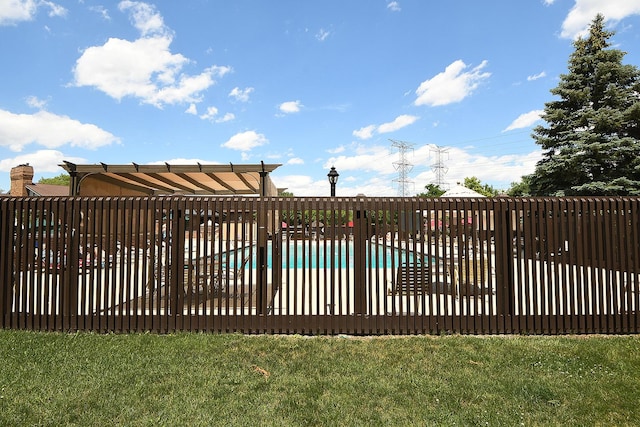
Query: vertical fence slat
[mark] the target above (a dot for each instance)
(633, 287)
(568, 253)
(580, 260)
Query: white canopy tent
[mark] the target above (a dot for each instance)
(461, 191)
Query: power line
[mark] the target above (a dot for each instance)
(487, 138)
(402, 166)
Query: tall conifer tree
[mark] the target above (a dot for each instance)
(591, 140)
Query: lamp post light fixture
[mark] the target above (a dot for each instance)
(333, 179)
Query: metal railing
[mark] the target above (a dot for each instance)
(321, 265)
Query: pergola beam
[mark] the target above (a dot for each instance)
(170, 179)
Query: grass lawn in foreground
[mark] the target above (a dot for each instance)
(202, 379)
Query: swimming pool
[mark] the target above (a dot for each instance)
(329, 254)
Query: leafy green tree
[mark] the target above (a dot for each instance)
(520, 189)
(591, 141)
(433, 190)
(62, 179)
(474, 184)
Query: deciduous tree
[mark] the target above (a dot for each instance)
(62, 179)
(474, 184)
(433, 190)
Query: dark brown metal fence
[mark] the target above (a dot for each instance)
(321, 265)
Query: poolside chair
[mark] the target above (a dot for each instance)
(226, 280)
(413, 277)
(473, 279)
(196, 274)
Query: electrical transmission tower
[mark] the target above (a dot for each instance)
(402, 166)
(439, 168)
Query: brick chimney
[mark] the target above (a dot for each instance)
(21, 176)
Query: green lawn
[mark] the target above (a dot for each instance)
(199, 379)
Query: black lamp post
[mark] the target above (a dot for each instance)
(333, 179)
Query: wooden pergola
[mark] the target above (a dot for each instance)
(152, 180)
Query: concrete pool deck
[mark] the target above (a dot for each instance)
(570, 290)
(540, 288)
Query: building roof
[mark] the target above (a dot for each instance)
(167, 179)
(50, 190)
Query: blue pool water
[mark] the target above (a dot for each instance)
(313, 254)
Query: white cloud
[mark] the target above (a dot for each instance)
(12, 12)
(54, 9)
(290, 107)
(452, 85)
(365, 132)
(537, 76)
(375, 172)
(336, 150)
(245, 141)
(51, 131)
(192, 109)
(399, 122)
(295, 161)
(369, 169)
(393, 6)
(15, 11)
(580, 16)
(366, 158)
(548, 2)
(226, 118)
(241, 95)
(43, 161)
(102, 11)
(348, 185)
(525, 120)
(299, 185)
(35, 102)
(145, 68)
(183, 161)
(144, 17)
(210, 114)
(500, 171)
(322, 35)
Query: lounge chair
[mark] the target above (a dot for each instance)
(413, 277)
(228, 280)
(418, 278)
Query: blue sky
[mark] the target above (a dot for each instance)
(308, 84)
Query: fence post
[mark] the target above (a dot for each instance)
(359, 259)
(504, 262)
(176, 257)
(261, 291)
(6, 260)
(69, 236)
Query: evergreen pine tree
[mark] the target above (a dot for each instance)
(591, 144)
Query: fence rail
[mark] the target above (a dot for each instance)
(321, 265)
